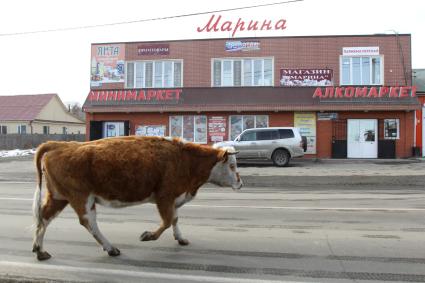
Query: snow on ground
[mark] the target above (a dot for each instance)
(16, 152)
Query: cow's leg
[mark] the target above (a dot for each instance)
(86, 211)
(166, 211)
(176, 231)
(48, 211)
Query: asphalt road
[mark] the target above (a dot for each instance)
(306, 233)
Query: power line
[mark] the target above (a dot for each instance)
(149, 20)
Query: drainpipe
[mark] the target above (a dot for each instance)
(31, 126)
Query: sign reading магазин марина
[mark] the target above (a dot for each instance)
(153, 96)
(365, 92)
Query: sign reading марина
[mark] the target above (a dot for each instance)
(216, 24)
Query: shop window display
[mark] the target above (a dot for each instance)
(391, 128)
(239, 123)
(190, 128)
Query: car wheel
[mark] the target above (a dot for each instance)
(281, 158)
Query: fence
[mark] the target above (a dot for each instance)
(18, 141)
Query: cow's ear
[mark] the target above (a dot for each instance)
(223, 155)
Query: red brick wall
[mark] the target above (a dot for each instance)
(323, 128)
(403, 145)
(288, 52)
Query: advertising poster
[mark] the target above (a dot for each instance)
(306, 123)
(201, 129)
(188, 132)
(150, 131)
(306, 77)
(216, 128)
(107, 64)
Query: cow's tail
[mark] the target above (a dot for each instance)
(36, 205)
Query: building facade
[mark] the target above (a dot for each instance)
(37, 114)
(352, 96)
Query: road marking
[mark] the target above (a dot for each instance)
(17, 182)
(308, 207)
(130, 273)
(275, 207)
(18, 199)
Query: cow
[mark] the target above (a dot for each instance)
(125, 171)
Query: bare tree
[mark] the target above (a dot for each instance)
(76, 109)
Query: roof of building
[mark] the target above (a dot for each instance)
(243, 99)
(419, 79)
(23, 107)
(258, 38)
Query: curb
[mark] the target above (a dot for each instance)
(323, 182)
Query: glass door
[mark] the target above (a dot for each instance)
(362, 139)
(113, 129)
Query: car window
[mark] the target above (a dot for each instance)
(263, 135)
(267, 135)
(249, 136)
(286, 133)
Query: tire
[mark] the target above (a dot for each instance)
(281, 158)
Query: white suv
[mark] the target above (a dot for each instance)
(278, 144)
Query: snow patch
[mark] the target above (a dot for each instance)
(16, 152)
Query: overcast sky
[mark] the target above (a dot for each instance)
(59, 62)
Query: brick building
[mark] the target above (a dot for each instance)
(352, 96)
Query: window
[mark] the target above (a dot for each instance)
(46, 130)
(267, 135)
(391, 128)
(239, 123)
(250, 136)
(361, 70)
(286, 133)
(22, 129)
(190, 128)
(3, 130)
(64, 130)
(158, 74)
(242, 72)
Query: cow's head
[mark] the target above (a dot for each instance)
(225, 172)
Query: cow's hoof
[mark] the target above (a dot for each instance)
(147, 236)
(114, 252)
(43, 255)
(183, 242)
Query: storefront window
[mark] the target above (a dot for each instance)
(361, 70)
(147, 74)
(243, 72)
(239, 123)
(176, 126)
(391, 128)
(190, 128)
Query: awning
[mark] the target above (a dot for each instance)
(351, 98)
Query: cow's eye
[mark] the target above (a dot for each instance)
(232, 166)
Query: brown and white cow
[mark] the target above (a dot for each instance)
(119, 172)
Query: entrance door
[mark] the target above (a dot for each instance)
(362, 139)
(113, 129)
